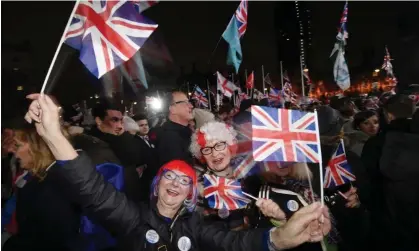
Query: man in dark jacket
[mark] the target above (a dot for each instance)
(379, 199)
(129, 150)
(172, 140)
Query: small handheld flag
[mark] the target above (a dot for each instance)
(223, 193)
(338, 171)
(282, 135)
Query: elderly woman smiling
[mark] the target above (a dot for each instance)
(164, 223)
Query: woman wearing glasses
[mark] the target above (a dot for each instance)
(168, 222)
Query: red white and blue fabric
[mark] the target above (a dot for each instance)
(343, 33)
(388, 67)
(241, 17)
(282, 135)
(223, 193)
(338, 171)
(199, 96)
(244, 162)
(107, 33)
(141, 5)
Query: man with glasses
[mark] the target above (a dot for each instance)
(174, 137)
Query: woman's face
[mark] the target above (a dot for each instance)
(173, 188)
(217, 155)
(23, 154)
(370, 126)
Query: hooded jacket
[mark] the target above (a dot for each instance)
(141, 227)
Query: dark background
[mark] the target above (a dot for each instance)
(190, 30)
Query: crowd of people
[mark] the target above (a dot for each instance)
(121, 185)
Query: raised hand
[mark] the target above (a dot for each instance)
(270, 209)
(45, 113)
(352, 198)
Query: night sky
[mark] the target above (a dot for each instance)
(191, 31)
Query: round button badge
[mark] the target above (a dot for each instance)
(152, 236)
(292, 205)
(184, 243)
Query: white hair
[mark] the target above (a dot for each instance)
(212, 131)
(130, 124)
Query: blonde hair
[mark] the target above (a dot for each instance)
(42, 157)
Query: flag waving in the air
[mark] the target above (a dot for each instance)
(282, 135)
(250, 82)
(338, 171)
(232, 34)
(227, 87)
(107, 33)
(223, 193)
(200, 96)
(340, 68)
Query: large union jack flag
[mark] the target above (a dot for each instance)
(282, 135)
(200, 96)
(142, 5)
(241, 17)
(223, 193)
(107, 33)
(338, 171)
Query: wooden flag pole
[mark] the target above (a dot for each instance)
(59, 46)
(282, 77)
(263, 80)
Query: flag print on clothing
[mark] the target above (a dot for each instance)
(223, 193)
(338, 171)
(282, 135)
(107, 33)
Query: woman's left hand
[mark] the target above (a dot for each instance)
(270, 209)
(352, 200)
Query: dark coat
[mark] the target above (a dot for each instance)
(46, 219)
(131, 222)
(382, 155)
(172, 142)
(133, 154)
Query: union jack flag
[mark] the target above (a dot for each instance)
(282, 135)
(343, 33)
(244, 161)
(199, 95)
(338, 171)
(275, 97)
(241, 17)
(387, 65)
(223, 193)
(107, 33)
(142, 5)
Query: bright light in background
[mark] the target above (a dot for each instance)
(91, 97)
(156, 104)
(305, 70)
(135, 103)
(377, 70)
(19, 88)
(96, 96)
(266, 89)
(190, 93)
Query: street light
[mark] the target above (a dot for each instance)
(305, 70)
(377, 70)
(135, 103)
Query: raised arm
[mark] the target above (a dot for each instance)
(77, 175)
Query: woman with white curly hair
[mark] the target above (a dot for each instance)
(215, 145)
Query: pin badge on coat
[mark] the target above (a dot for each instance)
(292, 205)
(184, 243)
(152, 236)
(223, 213)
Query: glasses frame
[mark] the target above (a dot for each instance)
(212, 148)
(181, 102)
(177, 177)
